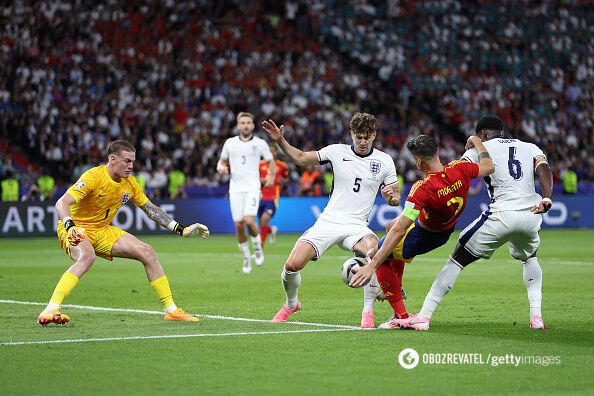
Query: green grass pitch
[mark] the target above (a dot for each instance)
(486, 314)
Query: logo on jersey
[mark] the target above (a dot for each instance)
(125, 197)
(79, 184)
(375, 167)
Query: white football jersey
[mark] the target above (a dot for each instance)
(356, 182)
(511, 186)
(244, 160)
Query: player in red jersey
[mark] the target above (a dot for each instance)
(432, 208)
(270, 196)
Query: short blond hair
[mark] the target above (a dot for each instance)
(117, 146)
(244, 114)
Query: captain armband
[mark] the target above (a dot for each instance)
(410, 213)
(484, 154)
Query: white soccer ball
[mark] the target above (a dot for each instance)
(354, 263)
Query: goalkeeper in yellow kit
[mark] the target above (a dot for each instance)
(84, 231)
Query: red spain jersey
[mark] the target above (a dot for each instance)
(441, 196)
(272, 193)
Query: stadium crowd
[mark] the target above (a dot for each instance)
(169, 76)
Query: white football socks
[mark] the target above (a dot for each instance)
(245, 249)
(291, 281)
(370, 292)
(51, 306)
(256, 242)
(442, 284)
(533, 282)
(171, 308)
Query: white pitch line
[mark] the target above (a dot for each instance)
(79, 340)
(92, 308)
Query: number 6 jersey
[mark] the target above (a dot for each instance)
(511, 186)
(356, 182)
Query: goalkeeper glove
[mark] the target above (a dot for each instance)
(75, 234)
(190, 231)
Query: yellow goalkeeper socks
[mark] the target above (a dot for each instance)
(161, 287)
(65, 285)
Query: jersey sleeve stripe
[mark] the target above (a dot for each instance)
(415, 186)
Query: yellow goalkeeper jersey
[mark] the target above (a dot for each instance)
(98, 197)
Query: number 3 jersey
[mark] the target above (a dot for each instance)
(441, 196)
(511, 186)
(98, 197)
(356, 182)
(244, 160)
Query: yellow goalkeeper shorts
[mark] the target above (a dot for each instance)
(102, 239)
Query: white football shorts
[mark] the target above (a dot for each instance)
(324, 234)
(244, 204)
(491, 230)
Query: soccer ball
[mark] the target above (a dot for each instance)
(354, 263)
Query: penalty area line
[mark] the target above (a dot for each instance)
(220, 317)
(168, 336)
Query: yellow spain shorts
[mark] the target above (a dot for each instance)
(418, 240)
(102, 239)
(397, 253)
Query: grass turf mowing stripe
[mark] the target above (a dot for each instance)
(91, 308)
(156, 337)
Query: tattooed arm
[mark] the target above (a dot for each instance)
(156, 214)
(160, 217)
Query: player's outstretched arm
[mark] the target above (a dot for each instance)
(545, 176)
(75, 234)
(276, 134)
(486, 165)
(160, 217)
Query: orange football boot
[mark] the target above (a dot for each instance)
(181, 315)
(52, 316)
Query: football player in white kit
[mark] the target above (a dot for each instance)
(359, 171)
(240, 157)
(513, 217)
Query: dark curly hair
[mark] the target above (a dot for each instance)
(363, 123)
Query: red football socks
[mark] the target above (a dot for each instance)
(389, 276)
(263, 232)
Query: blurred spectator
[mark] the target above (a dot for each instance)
(328, 181)
(311, 182)
(33, 194)
(177, 180)
(10, 187)
(141, 177)
(157, 183)
(47, 187)
(570, 181)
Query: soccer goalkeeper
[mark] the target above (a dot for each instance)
(84, 231)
